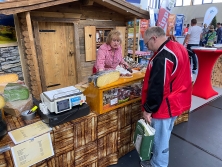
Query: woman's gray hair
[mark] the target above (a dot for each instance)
(154, 31)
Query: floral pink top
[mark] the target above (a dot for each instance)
(105, 60)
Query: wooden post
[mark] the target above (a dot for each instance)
(40, 57)
(77, 52)
(33, 50)
(134, 39)
(21, 53)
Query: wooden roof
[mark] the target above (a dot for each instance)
(120, 6)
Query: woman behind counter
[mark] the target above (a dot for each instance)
(109, 54)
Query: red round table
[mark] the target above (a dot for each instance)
(206, 59)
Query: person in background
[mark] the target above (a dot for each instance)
(193, 39)
(109, 54)
(204, 31)
(172, 34)
(185, 31)
(184, 26)
(219, 33)
(166, 91)
(209, 37)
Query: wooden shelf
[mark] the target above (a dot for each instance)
(94, 95)
(121, 105)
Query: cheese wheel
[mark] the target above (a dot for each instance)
(6, 78)
(2, 102)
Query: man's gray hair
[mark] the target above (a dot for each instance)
(154, 31)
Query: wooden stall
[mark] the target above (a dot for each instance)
(58, 39)
(57, 43)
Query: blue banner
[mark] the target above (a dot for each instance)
(134, 1)
(179, 25)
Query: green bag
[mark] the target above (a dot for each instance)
(143, 139)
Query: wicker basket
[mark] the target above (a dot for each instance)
(182, 118)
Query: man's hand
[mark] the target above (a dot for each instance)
(147, 116)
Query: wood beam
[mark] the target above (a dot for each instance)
(23, 3)
(134, 39)
(35, 61)
(14, 9)
(56, 15)
(77, 52)
(21, 53)
(87, 2)
(39, 56)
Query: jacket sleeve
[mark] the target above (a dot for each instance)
(159, 77)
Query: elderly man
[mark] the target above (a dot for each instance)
(166, 91)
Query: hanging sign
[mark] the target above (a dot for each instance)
(164, 12)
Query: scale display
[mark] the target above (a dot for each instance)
(63, 105)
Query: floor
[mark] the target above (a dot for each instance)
(196, 143)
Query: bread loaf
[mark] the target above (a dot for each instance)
(6, 78)
(103, 78)
(2, 102)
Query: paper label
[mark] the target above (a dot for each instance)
(32, 151)
(28, 132)
(114, 101)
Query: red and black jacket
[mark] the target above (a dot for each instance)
(167, 84)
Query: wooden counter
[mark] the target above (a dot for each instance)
(95, 140)
(92, 141)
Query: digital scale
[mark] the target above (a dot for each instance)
(60, 100)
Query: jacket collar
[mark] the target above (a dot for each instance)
(163, 45)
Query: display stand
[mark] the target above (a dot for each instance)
(206, 59)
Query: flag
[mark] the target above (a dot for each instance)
(164, 12)
(209, 15)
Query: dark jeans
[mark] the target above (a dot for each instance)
(193, 55)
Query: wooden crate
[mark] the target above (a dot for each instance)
(85, 130)
(109, 160)
(124, 136)
(124, 116)
(86, 155)
(62, 138)
(136, 112)
(66, 160)
(41, 164)
(6, 159)
(107, 123)
(107, 145)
